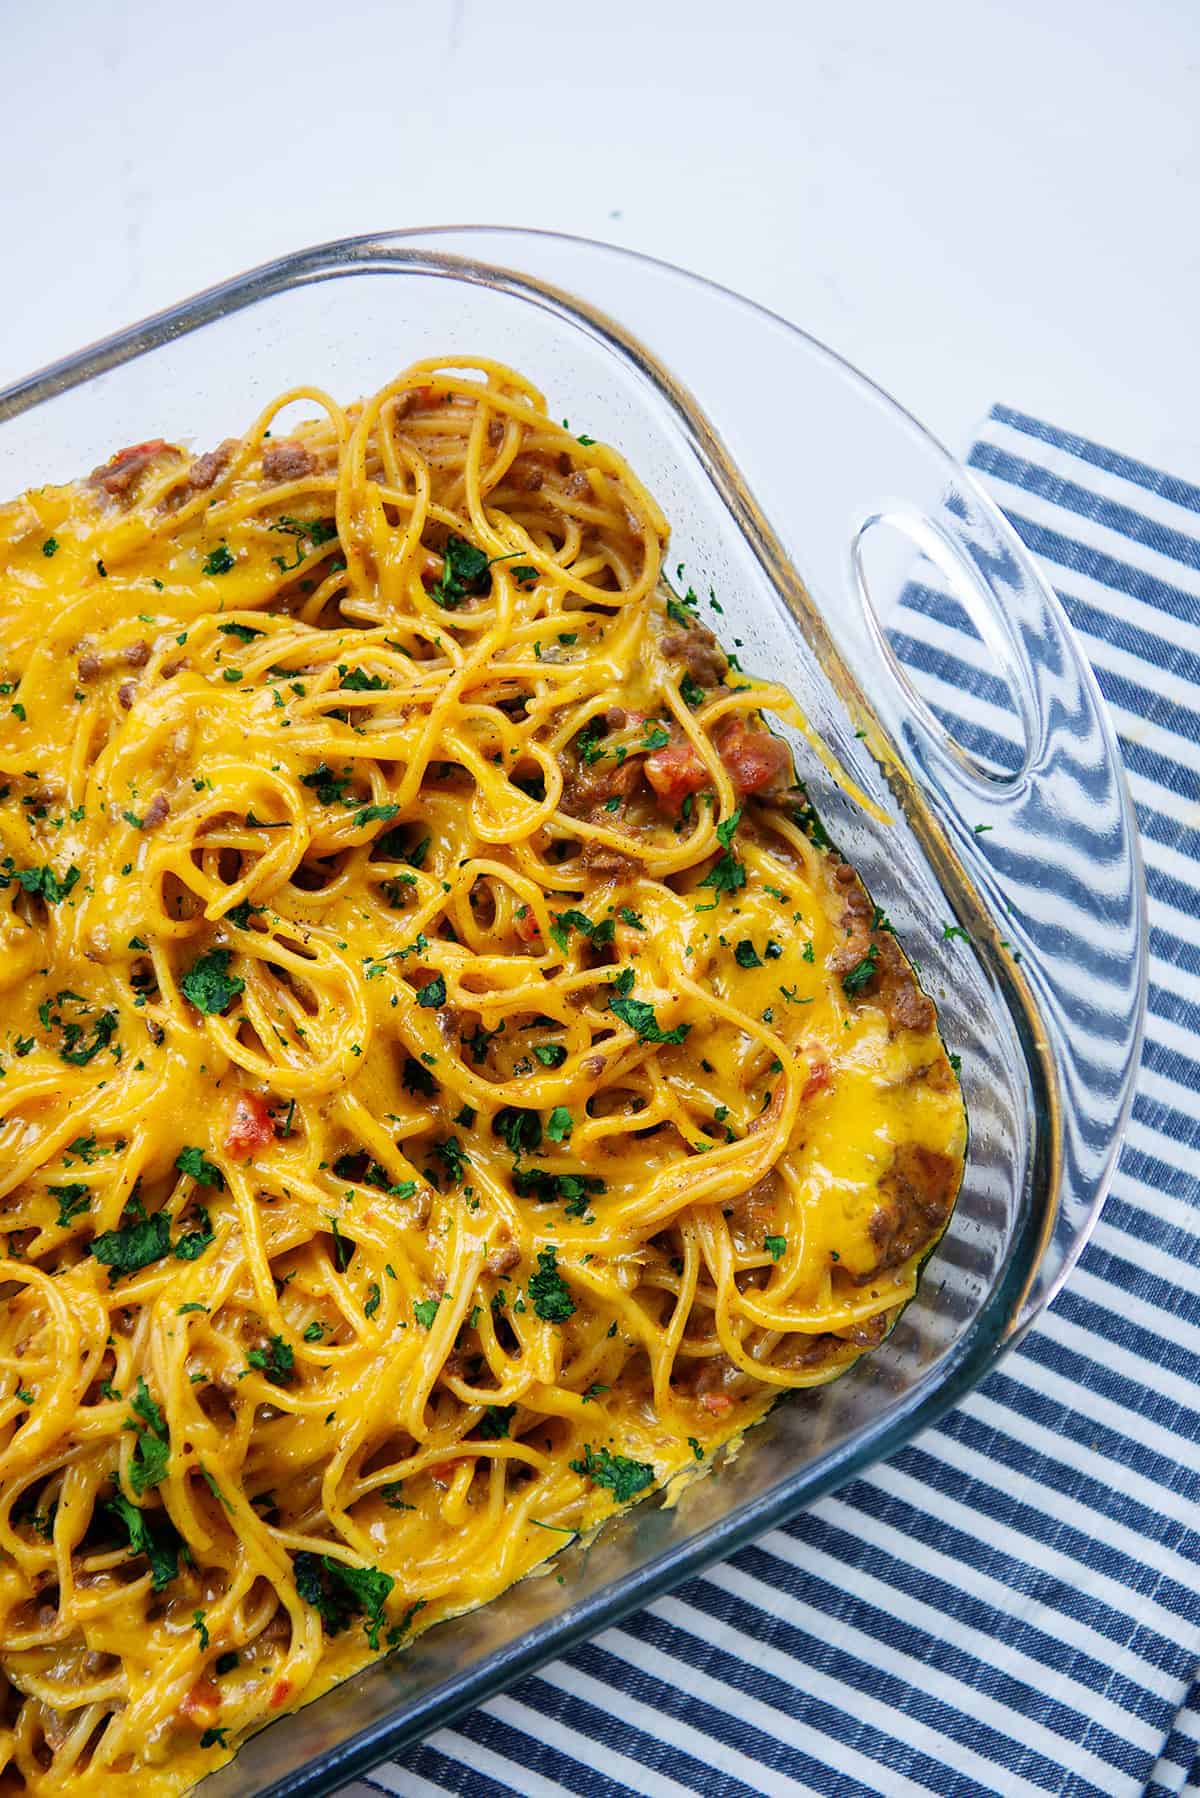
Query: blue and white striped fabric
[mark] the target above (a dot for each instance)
(1012, 1604)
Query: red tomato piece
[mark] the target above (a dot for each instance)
(154, 446)
(675, 771)
(716, 1402)
(204, 1700)
(755, 759)
(527, 926)
(250, 1126)
(818, 1079)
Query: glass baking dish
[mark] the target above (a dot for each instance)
(800, 494)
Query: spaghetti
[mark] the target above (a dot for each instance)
(449, 1084)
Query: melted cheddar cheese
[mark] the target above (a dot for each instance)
(449, 1084)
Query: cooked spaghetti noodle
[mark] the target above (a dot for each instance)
(450, 1084)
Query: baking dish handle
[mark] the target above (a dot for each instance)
(1051, 846)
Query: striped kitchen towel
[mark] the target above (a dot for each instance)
(1012, 1603)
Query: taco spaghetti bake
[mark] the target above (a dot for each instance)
(449, 1083)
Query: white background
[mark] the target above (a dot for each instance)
(971, 201)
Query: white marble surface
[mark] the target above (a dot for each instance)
(979, 202)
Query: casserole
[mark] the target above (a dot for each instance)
(779, 491)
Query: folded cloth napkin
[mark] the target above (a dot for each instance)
(1012, 1603)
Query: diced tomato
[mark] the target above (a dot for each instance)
(675, 771)
(133, 452)
(818, 1078)
(424, 396)
(250, 1126)
(527, 925)
(203, 1701)
(755, 759)
(716, 1402)
(281, 1691)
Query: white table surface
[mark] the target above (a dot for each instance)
(973, 202)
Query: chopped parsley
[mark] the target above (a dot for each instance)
(559, 1124)
(727, 874)
(372, 814)
(599, 935)
(192, 1162)
(50, 548)
(245, 633)
(137, 1243)
(339, 1593)
(746, 956)
(861, 974)
(191, 1246)
(466, 571)
(433, 993)
(640, 1018)
(425, 1310)
(209, 985)
(218, 561)
(277, 1361)
(623, 1477)
(551, 1055)
(450, 1154)
(493, 1425)
(587, 743)
(548, 1290)
(776, 1246)
(572, 1190)
(78, 1052)
(634, 919)
(417, 1079)
(159, 1541)
(327, 785)
(152, 1449)
(44, 883)
(315, 531)
(354, 680)
(73, 1198)
(521, 1130)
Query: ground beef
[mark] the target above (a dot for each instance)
(609, 863)
(587, 790)
(120, 474)
(699, 652)
(503, 1259)
(916, 1197)
(126, 694)
(893, 985)
(136, 655)
(286, 460)
(206, 469)
(158, 809)
(752, 1215)
(868, 1334)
